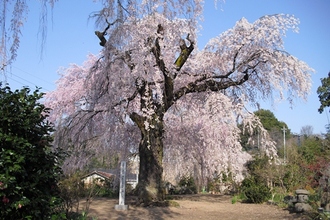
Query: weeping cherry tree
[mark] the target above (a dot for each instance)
(150, 68)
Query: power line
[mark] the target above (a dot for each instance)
(10, 76)
(16, 81)
(50, 83)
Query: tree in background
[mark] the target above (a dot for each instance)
(29, 169)
(150, 67)
(307, 158)
(269, 121)
(307, 131)
(271, 124)
(324, 93)
(324, 96)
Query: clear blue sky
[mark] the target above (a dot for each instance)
(71, 37)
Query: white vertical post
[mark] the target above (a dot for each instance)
(121, 205)
(122, 183)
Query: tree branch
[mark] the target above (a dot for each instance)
(138, 120)
(156, 51)
(184, 54)
(168, 80)
(101, 35)
(212, 83)
(126, 100)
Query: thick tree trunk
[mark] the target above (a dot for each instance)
(150, 187)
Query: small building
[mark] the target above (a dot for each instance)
(98, 177)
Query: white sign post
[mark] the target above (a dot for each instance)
(121, 205)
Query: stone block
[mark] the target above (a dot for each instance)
(121, 207)
(302, 198)
(302, 207)
(302, 192)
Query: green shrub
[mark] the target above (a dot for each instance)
(71, 190)
(255, 191)
(234, 199)
(187, 185)
(29, 169)
(278, 199)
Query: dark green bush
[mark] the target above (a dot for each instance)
(29, 169)
(187, 185)
(255, 191)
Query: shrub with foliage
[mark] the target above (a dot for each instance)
(71, 190)
(254, 187)
(29, 169)
(187, 185)
(254, 190)
(222, 182)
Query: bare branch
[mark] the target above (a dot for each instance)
(101, 35)
(185, 52)
(211, 83)
(126, 100)
(156, 50)
(168, 80)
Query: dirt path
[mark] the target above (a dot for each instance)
(208, 207)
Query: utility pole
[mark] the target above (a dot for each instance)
(284, 130)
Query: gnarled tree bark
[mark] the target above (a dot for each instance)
(150, 186)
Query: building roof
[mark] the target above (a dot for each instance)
(100, 173)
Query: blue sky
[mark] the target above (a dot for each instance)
(71, 37)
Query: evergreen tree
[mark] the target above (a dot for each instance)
(29, 169)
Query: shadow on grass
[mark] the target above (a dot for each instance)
(104, 208)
